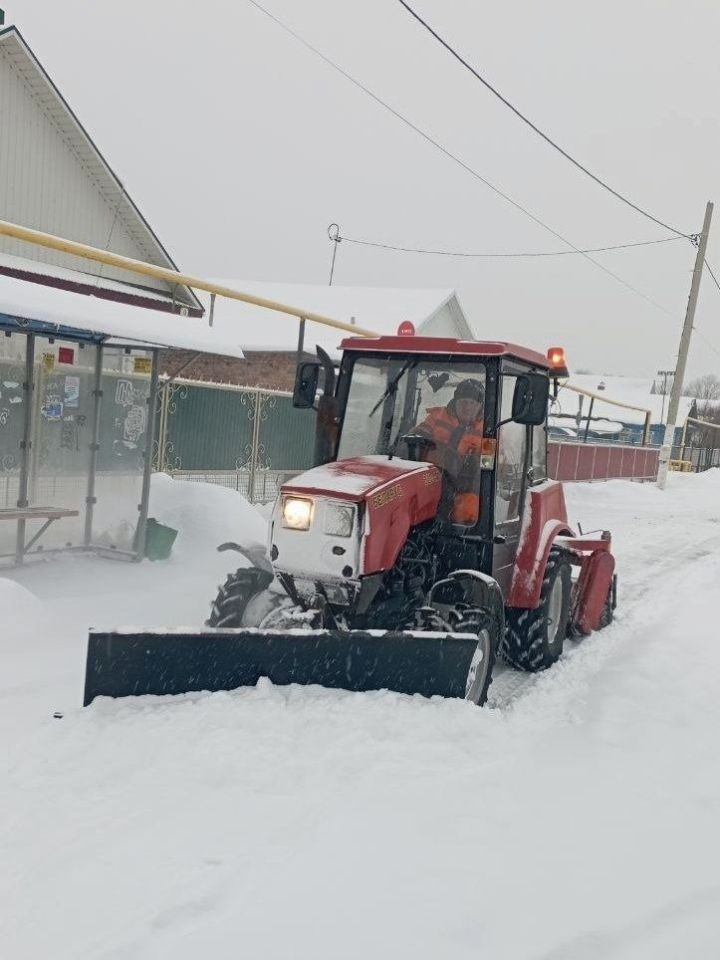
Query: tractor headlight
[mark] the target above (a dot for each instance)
(339, 519)
(297, 513)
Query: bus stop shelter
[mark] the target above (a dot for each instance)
(78, 399)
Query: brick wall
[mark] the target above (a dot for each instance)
(275, 371)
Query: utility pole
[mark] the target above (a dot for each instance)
(676, 392)
(334, 235)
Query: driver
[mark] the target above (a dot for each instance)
(457, 431)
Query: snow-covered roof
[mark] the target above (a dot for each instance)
(107, 320)
(52, 275)
(600, 426)
(98, 173)
(634, 391)
(381, 309)
(239, 326)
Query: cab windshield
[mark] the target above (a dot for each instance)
(442, 401)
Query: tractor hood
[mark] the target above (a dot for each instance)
(387, 499)
(358, 478)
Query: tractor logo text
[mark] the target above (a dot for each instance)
(387, 496)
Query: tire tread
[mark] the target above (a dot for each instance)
(525, 644)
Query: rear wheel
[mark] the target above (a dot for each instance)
(534, 638)
(608, 613)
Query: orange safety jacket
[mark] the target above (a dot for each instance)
(458, 452)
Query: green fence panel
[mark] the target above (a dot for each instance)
(287, 435)
(208, 429)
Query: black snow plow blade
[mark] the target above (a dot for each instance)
(133, 663)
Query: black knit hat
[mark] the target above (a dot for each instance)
(470, 390)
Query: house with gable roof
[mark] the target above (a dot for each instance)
(46, 152)
(54, 178)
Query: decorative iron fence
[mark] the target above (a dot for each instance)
(245, 438)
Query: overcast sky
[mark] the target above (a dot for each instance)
(240, 147)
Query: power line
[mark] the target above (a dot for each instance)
(710, 271)
(708, 342)
(505, 256)
(541, 133)
(699, 332)
(456, 159)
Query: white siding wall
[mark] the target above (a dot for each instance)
(45, 185)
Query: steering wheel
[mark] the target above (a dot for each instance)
(417, 444)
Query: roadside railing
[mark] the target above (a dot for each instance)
(601, 461)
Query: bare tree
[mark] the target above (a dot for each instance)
(699, 436)
(706, 387)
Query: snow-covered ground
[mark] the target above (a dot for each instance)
(577, 818)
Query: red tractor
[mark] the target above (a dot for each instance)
(427, 541)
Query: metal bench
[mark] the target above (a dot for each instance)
(23, 514)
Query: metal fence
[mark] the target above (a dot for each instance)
(697, 459)
(591, 461)
(253, 440)
(248, 439)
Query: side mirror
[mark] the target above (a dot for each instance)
(530, 400)
(307, 378)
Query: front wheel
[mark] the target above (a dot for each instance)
(480, 673)
(534, 638)
(240, 589)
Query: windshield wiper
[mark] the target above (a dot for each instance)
(393, 385)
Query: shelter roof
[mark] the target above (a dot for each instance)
(49, 311)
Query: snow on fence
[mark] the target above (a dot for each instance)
(261, 487)
(602, 461)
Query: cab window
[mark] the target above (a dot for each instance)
(510, 465)
(539, 454)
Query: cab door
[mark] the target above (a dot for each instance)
(511, 478)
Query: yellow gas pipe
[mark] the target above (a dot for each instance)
(76, 249)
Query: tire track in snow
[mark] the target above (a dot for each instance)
(509, 686)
